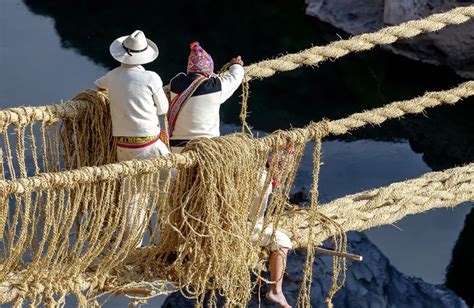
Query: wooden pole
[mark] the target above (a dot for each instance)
(331, 252)
(127, 291)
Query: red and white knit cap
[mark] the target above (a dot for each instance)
(199, 61)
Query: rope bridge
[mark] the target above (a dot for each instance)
(67, 227)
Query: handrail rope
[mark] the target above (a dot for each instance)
(267, 68)
(356, 212)
(386, 205)
(314, 130)
(366, 41)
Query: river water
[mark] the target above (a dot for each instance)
(39, 67)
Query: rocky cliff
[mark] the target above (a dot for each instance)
(371, 283)
(453, 46)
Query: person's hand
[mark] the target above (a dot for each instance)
(236, 60)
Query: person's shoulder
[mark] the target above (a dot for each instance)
(214, 81)
(179, 82)
(106, 77)
(113, 71)
(209, 86)
(182, 81)
(153, 76)
(178, 77)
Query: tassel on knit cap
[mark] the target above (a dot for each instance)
(199, 61)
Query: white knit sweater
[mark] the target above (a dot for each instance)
(200, 115)
(136, 99)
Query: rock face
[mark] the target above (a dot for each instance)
(453, 46)
(371, 283)
(460, 270)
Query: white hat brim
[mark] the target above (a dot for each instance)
(120, 54)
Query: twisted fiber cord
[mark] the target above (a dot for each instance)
(312, 56)
(20, 146)
(8, 154)
(46, 181)
(339, 238)
(338, 49)
(70, 109)
(211, 232)
(279, 138)
(55, 263)
(17, 285)
(70, 142)
(373, 117)
(94, 174)
(267, 68)
(2, 176)
(3, 200)
(49, 113)
(87, 138)
(386, 205)
(207, 229)
(398, 109)
(369, 209)
(283, 170)
(244, 102)
(234, 296)
(58, 268)
(304, 296)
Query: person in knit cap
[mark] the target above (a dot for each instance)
(194, 112)
(136, 99)
(197, 95)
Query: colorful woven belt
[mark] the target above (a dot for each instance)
(135, 140)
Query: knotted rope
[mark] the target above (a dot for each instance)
(367, 41)
(74, 231)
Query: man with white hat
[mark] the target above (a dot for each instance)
(136, 99)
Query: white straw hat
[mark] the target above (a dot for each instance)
(134, 49)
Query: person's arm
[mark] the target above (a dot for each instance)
(159, 96)
(161, 102)
(102, 83)
(232, 79)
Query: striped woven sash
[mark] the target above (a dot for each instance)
(180, 100)
(136, 142)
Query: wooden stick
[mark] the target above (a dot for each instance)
(127, 291)
(331, 252)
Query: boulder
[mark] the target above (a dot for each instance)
(452, 46)
(371, 283)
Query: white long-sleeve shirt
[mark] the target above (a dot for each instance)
(199, 117)
(136, 99)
